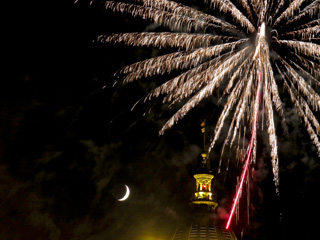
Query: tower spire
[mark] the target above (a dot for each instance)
(205, 154)
(203, 194)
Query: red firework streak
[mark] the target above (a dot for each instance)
(245, 169)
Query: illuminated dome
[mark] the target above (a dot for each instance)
(204, 202)
(196, 231)
(203, 226)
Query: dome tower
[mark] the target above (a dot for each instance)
(203, 194)
(203, 226)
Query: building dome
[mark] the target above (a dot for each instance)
(196, 231)
(204, 202)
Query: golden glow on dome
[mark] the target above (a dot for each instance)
(203, 193)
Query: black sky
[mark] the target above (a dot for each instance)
(68, 142)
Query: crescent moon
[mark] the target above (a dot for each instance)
(126, 195)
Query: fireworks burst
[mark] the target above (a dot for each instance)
(277, 40)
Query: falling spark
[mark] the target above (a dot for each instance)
(262, 44)
(245, 169)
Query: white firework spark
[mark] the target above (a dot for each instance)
(268, 37)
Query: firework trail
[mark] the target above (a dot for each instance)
(277, 39)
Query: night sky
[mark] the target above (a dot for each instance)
(69, 142)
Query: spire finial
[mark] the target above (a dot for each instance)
(205, 154)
